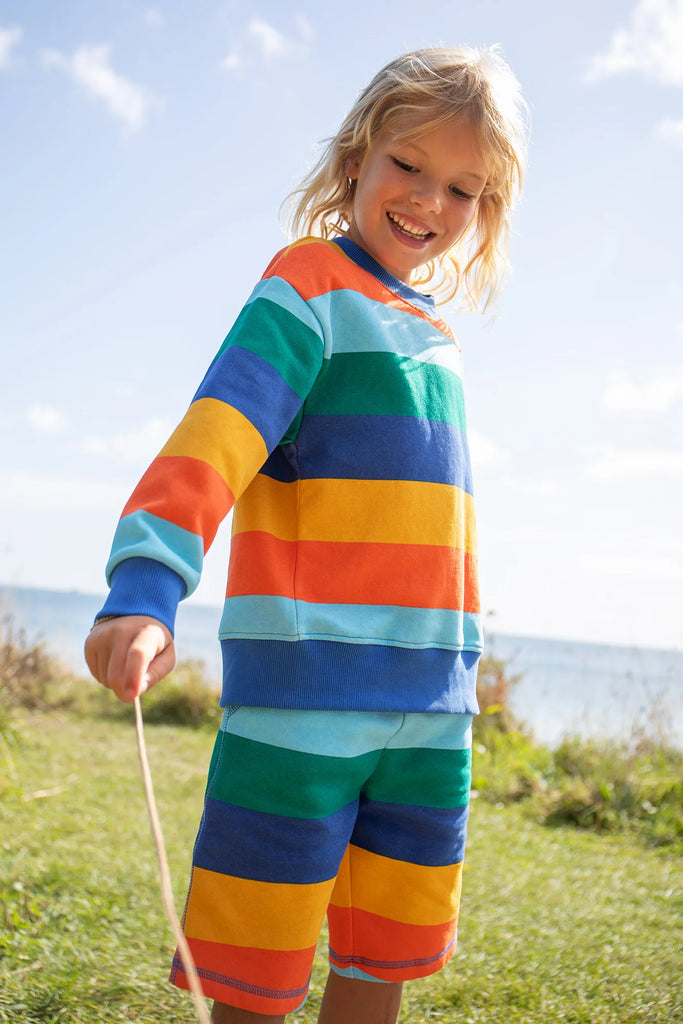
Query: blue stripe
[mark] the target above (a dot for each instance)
(271, 848)
(243, 379)
(144, 535)
(281, 464)
(283, 618)
(364, 259)
(383, 448)
(348, 676)
(431, 836)
(141, 586)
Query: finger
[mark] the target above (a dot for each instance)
(147, 645)
(160, 666)
(90, 655)
(115, 664)
(97, 658)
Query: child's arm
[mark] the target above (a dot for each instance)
(249, 399)
(129, 654)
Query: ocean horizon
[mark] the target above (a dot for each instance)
(565, 687)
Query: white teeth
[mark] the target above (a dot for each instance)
(404, 226)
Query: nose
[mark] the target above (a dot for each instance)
(426, 195)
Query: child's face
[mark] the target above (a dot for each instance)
(413, 200)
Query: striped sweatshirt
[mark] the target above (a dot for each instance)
(333, 420)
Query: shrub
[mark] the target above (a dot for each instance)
(30, 677)
(182, 698)
(493, 693)
(604, 785)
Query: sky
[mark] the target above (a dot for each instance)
(146, 149)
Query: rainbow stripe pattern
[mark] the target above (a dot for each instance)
(333, 420)
(360, 816)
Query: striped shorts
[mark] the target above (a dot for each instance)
(360, 816)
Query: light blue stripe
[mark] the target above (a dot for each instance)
(325, 733)
(428, 731)
(355, 972)
(276, 290)
(385, 329)
(282, 618)
(143, 535)
(349, 733)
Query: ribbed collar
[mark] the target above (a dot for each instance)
(364, 259)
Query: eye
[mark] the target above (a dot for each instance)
(404, 166)
(460, 194)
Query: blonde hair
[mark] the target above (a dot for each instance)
(413, 95)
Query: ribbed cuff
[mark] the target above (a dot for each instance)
(142, 586)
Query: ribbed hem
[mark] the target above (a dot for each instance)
(325, 675)
(142, 586)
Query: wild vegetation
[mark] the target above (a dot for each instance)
(578, 925)
(593, 784)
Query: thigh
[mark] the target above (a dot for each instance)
(278, 815)
(394, 909)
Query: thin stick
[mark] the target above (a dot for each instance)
(165, 877)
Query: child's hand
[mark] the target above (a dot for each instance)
(129, 654)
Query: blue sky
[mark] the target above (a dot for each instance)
(146, 150)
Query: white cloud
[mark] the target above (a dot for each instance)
(135, 446)
(652, 44)
(46, 419)
(607, 463)
(657, 395)
(43, 492)
(263, 42)
(232, 62)
(89, 66)
(670, 130)
(154, 17)
(9, 37)
(306, 30)
(631, 555)
(634, 564)
(485, 453)
(270, 40)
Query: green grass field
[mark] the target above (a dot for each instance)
(557, 924)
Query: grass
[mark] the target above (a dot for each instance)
(558, 924)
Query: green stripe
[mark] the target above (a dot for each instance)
(423, 777)
(279, 337)
(382, 383)
(274, 780)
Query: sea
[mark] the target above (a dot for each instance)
(563, 687)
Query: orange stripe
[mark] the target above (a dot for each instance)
(411, 576)
(315, 266)
(198, 500)
(262, 968)
(358, 936)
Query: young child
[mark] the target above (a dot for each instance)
(333, 419)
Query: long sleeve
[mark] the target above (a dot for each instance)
(251, 394)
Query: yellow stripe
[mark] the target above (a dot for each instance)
(219, 434)
(408, 893)
(266, 915)
(268, 505)
(378, 511)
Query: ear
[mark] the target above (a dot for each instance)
(352, 169)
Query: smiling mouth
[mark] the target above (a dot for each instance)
(416, 234)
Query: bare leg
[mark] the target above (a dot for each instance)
(353, 1001)
(224, 1014)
